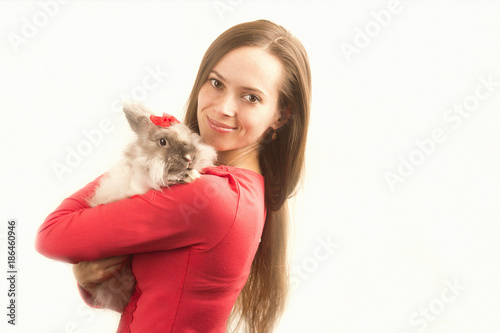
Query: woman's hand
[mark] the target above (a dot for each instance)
(90, 274)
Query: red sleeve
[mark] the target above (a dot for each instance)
(198, 214)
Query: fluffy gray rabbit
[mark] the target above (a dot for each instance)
(165, 152)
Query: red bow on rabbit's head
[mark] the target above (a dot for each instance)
(164, 121)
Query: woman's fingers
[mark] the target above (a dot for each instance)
(111, 261)
(96, 271)
(113, 266)
(107, 266)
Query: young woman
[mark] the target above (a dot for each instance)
(214, 249)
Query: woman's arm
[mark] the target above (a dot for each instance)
(196, 214)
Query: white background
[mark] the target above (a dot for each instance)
(396, 250)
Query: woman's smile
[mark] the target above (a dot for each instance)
(219, 127)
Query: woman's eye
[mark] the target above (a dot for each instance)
(216, 83)
(252, 98)
(162, 142)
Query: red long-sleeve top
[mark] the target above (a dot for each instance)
(193, 245)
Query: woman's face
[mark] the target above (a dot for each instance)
(239, 101)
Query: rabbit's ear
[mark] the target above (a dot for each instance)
(137, 117)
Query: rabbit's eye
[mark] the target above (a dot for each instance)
(162, 142)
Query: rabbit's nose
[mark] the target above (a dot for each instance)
(188, 159)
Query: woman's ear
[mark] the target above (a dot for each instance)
(284, 117)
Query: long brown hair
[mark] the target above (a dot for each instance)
(264, 296)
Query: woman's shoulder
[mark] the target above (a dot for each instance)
(226, 183)
(243, 174)
(221, 191)
(245, 182)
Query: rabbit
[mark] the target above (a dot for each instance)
(161, 156)
(164, 153)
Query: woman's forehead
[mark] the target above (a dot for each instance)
(250, 67)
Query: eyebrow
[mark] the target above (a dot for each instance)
(244, 88)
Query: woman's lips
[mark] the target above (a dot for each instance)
(219, 127)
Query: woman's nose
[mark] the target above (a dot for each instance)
(226, 106)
